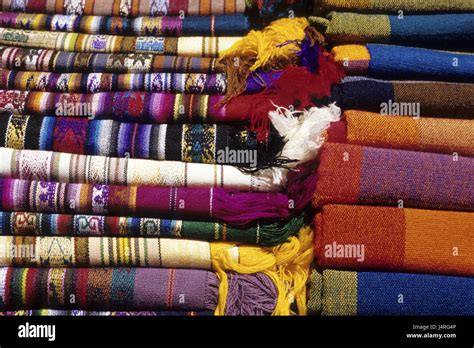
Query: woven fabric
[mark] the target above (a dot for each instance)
(67, 168)
(343, 293)
(394, 239)
(123, 106)
(351, 174)
(111, 252)
(40, 224)
(393, 6)
(232, 25)
(141, 201)
(437, 135)
(435, 99)
(81, 313)
(103, 82)
(129, 8)
(107, 289)
(190, 143)
(16, 58)
(405, 63)
(441, 30)
(74, 42)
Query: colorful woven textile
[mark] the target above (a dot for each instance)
(351, 174)
(393, 6)
(113, 252)
(210, 144)
(405, 63)
(123, 106)
(386, 239)
(143, 201)
(131, 8)
(81, 313)
(435, 99)
(342, 293)
(67, 168)
(407, 133)
(73, 42)
(232, 25)
(31, 224)
(103, 82)
(16, 58)
(442, 30)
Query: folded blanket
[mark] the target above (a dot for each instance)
(351, 174)
(103, 82)
(130, 289)
(40, 224)
(131, 8)
(405, 63)
(341, 293)
(146, 201)
(81, 313)
(435, 99)
(394, 239)
(393, 6)
(231, 25)
(440, 30)
(67, 168)
(407, 133)
(16, 58)
(196, 46)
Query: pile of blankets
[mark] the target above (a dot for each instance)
(151, 160)
(395, 188)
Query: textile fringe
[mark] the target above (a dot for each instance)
(287, 265)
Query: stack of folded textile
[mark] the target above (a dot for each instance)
(143, 142)
(395, 188)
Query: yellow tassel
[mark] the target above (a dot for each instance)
(287, 265)
(272, 48)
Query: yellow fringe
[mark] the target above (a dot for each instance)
(287, 265)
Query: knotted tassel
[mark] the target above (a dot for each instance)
(272, 48)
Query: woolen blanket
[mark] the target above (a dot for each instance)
(82, 313)
(231, 25)
(393, 6)
(394, 239)
(342, 293)
(435, 99)
(352, 174)
(67, 168)
(131, 8)
(197, 143)
(33, 59)
(446, 31)
(43, 224)
(437, 135)
(405, 63)
(196, 46)
(103, 82)
(147, 201)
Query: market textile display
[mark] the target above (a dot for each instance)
(394, 192)
(134, 148)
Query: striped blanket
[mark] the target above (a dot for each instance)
(231, 25)
(32, 59)
(82, 313)
(342, 293)
(448, 31)
(435, 99)
(196, 46)
(437, 135)
(394, 239)
(351, 174)
(405, 63)
(41, 224)
(131, 8)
